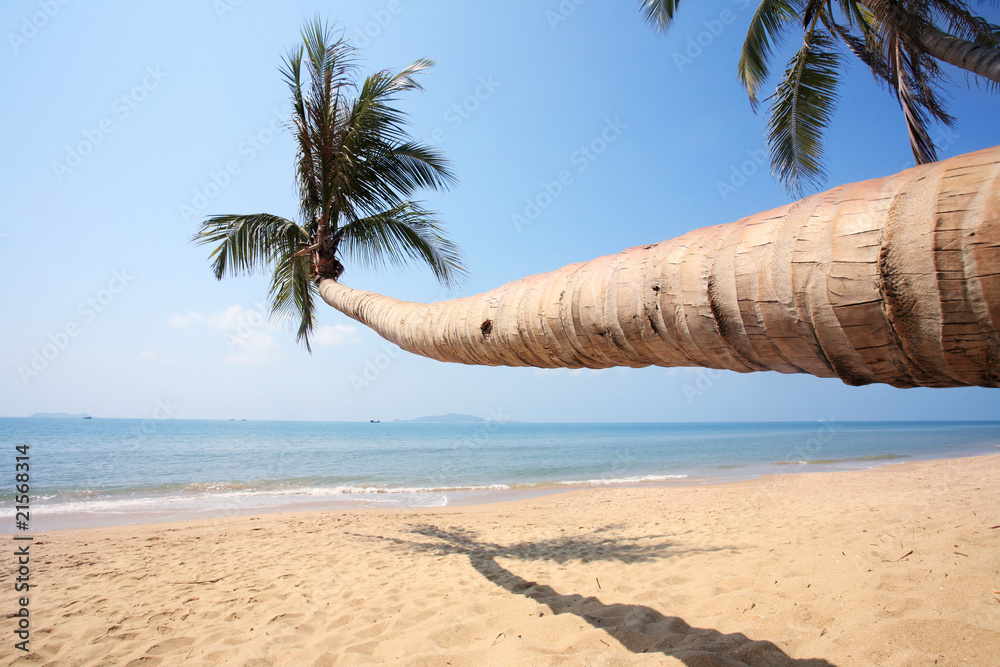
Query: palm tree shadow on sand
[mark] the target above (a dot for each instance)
(638, 628)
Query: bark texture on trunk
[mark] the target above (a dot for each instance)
(893, 280)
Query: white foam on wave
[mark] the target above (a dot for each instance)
(245, 496)
(248, 490)
(623, 480)
(420, 489)
(222, 496)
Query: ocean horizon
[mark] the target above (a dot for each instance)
(97, 472)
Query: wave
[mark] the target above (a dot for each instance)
(243, 488)
(880, 457)
(240, 500)
(622, 480)
(236, 495)
(223, 496)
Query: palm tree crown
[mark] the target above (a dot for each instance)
(900, 41)
(356, 169)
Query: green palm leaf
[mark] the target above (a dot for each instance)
(766, 29)
(381, 167)
(891, 37)
(912, 91)
(293, 293)
(658, 13)
(246, 243)
(800, 112)
(896, 62)
(356, 168)
(857, 14)
(254, 243)
(406, 232)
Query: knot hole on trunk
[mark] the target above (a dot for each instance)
(487, 329)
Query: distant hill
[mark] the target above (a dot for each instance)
(450, 418)
(58, 415)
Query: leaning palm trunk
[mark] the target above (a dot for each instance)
(976, 58)
(894, 280)
(961, 53)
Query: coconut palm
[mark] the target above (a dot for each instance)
(356, 170)
(900, 41)
(894, 280)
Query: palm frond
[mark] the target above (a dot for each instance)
(380, 167)
(247, 243)
(891, 37)
(658, 13)
(873, 58)
(409, 166)
(813, 10)
(306, 174)
(405, 232)
(926, 76)
(291, 71)
(330, 60)
(356, 167)
(293, 293)
(965, 24)
(405, 79)
(766, 29)
(857, 14)
(905, 19)
(902, 66)
(331, 67)
(800, 112)
(910, 75)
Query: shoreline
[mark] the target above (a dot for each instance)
(894, 566)
(482, 499)
(453, 499)
(193, 471)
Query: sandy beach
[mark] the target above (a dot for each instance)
(893, 566)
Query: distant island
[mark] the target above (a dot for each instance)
(450, 418)
(58, 415)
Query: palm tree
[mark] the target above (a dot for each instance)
(356, 170)
(900, 41)
(894, 280)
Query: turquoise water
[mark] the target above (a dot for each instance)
(112, 471)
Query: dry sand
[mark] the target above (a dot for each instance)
(896, 566)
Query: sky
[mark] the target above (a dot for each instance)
(126, 124)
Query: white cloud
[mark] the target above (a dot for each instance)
(338, 334)
(243, 330)
(235, 317)
(255, 347)
(179, 320)
(146, 354)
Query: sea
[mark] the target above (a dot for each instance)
(99, 472)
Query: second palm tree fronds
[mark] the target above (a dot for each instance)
(902, 42)
(356, 171)
(894, 280)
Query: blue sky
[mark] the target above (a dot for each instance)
(125, 124)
